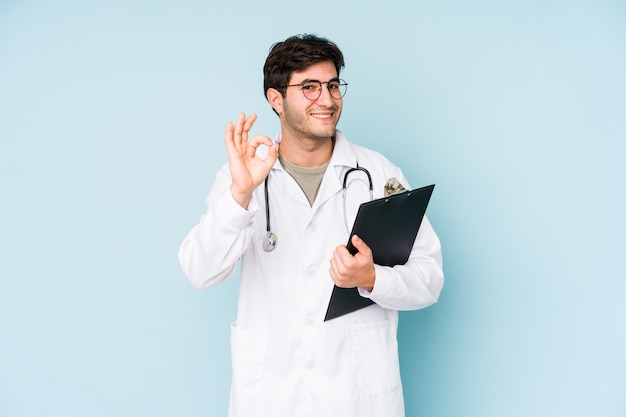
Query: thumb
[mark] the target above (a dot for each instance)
(273, 152)
(359, 244)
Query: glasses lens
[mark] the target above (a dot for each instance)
(312, 90)
(337, 89)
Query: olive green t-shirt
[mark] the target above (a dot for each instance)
(309, 179)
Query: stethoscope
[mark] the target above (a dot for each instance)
(271, 240)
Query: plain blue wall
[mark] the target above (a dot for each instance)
(111, 126)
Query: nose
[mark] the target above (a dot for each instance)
(325, 97)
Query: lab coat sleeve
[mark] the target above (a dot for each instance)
(416, 284)
(212, 249)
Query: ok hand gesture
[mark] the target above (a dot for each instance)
(247, 170)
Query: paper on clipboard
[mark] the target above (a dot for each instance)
(389, 226)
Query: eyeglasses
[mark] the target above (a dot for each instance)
(312, 89)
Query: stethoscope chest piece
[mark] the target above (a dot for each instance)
(269, 242)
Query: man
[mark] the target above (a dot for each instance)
(290, 235)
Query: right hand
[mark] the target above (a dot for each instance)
(247, 170)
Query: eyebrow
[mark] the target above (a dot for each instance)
(309, 80)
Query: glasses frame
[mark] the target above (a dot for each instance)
(341, 82)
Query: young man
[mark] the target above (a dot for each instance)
(277, 206)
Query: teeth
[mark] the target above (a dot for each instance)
(321, 116)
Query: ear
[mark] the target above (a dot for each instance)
(275, 99)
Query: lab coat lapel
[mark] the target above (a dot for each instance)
(342, 159)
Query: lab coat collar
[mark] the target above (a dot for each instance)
(343, 158)
(343, 154)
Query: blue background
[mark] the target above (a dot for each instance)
(111, 126)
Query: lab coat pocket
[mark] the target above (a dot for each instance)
(376, 357)
(248, 350)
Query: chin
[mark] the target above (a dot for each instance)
(324, 133)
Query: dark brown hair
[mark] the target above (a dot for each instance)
(296, 53)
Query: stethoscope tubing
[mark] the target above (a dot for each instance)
(344, 189)
(271, 240)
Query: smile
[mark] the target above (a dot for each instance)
(322, 115)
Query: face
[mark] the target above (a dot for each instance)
(311, 119)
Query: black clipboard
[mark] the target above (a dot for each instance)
(389, 227)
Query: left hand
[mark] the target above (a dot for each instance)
(349, 271)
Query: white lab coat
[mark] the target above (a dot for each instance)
(286, 360)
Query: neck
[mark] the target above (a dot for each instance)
(307, 153)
